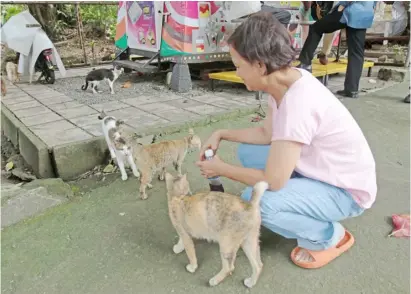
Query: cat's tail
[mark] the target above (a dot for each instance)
(84, 87)
(258, 191)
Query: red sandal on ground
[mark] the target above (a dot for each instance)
(321, 258)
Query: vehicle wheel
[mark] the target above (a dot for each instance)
(50, 77)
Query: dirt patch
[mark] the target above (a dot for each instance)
(10, 154)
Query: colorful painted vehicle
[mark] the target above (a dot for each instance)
(175, 31)
(167, 32)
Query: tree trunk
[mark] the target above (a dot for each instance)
(45, 14)
(80, 31)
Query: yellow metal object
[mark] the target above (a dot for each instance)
(337, 67)
(319, 70)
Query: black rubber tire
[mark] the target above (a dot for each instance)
(50, 77)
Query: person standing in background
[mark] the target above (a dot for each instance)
(318, 10)
(355, 17)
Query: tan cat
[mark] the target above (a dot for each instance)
(3, 87)
(218, 217)
(156, 157)
(12, 74)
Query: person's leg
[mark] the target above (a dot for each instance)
(253, 156)
(356, 43)
(308, 211)
(328, 24)
(326, 48)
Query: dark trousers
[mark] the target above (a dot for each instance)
(355, 41)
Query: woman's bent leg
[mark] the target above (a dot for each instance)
(253, 156)
(307, 210)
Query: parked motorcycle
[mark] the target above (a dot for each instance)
(44, 65)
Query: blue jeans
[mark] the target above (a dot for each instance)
(304, 209)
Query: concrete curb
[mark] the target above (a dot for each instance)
(34, 151)
(73, 159)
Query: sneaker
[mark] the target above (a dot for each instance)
(347, 94)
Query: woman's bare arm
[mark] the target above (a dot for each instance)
(258, 135)
(281, 162)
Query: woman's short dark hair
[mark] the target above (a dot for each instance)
(262, 38)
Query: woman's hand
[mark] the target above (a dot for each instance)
(211, 168)
(212, 143)
(340, 8)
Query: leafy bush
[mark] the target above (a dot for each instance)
(101, 18)
(10, 10)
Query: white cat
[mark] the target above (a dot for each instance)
(118, 148)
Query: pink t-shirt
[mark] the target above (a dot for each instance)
(335, 150)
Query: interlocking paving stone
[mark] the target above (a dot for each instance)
(14, 95)
(109, 106)
(145, 120)
(41, 119)
(178, 115)
(183, 103)
(58, 137)
(205, 109)
(86, 120)
(76, 111)
(126, 114)
(31, 111)
(54, 100)
(52, 126)
(141, 100)
(156, 107)
(209, 98)
(228, 103)
(18, 100)
(24, 105)
(64, 105)
(95, 129)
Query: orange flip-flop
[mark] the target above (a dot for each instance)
(324, 257)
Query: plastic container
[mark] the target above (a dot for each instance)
(215, 183)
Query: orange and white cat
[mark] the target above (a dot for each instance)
(220, 217)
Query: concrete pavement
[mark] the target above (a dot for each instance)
(109, 241)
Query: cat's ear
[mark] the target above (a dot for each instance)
(119, 122)
(102, 115)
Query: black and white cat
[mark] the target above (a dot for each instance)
(102, 74)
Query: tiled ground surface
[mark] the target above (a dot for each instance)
(57, 118)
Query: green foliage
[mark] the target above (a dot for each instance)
(100, 17)
(10, 10)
